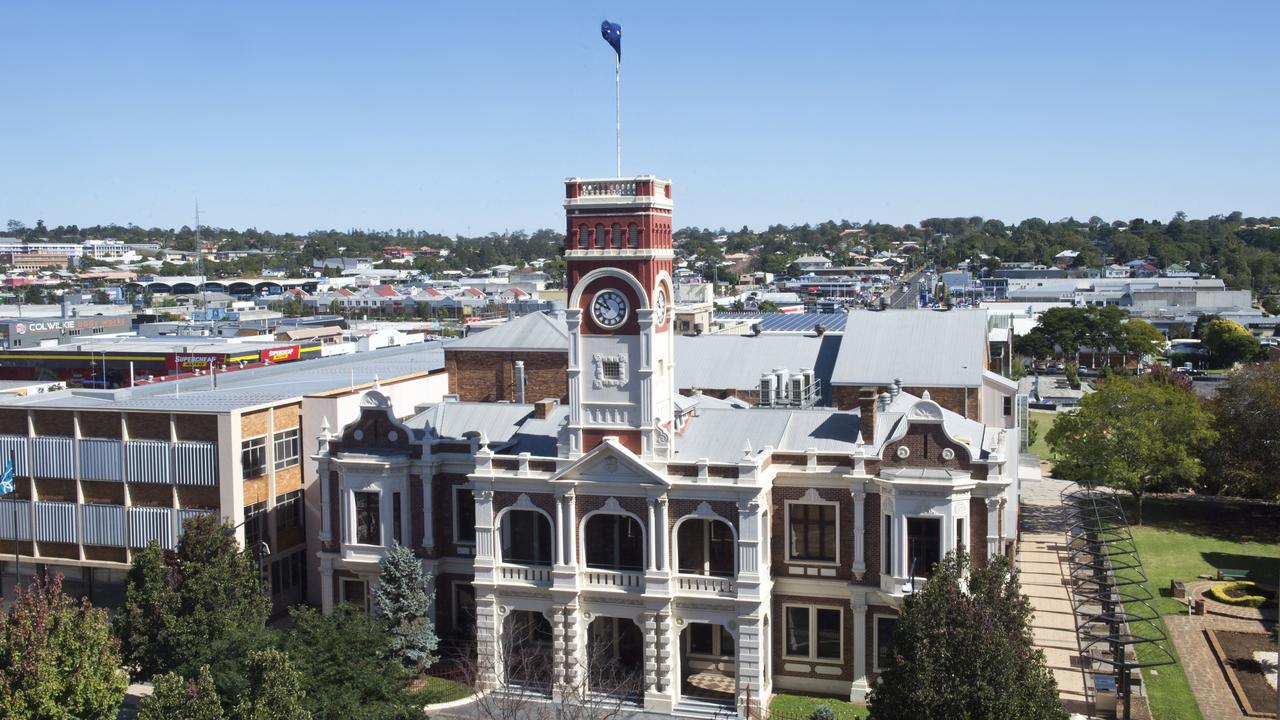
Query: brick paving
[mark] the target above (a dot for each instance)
(1207, 680)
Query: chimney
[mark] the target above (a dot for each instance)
(867, 412)
(883, 403)
(66, 303)
(542, 409)
(896, 387)
(520, 381)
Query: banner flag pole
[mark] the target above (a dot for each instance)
(617, 111)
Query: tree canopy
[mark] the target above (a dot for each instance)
(1246, 412)
(405, 606)
(962, 651)
(1134, 434)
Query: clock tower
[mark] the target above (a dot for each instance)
(621, 370)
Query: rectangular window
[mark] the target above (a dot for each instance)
(612, 369)
(464, 608)
(960, 540)
(884, 641)
(888, 545)
(395, 519)
(464, 513)
(255, 526)
(290, 511)
(924, 545)
(368, 522)
(253, 458)
(288, 448)
(814, 633)
(702, 639)
(1008, 406)
(813, 532)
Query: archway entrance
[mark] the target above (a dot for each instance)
(708, 663)
(526, 651)
(615, 658)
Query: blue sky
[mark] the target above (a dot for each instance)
(465, 117)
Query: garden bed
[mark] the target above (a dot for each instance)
(1246, 659)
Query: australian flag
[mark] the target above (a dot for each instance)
(612, 34)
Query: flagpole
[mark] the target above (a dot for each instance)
(17, 559)
(617, 110)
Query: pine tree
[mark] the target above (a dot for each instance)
(962, 649)
(405, 604)
(275, 689)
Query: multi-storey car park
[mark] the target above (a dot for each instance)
(710, 554)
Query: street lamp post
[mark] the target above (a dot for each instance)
(262, 548)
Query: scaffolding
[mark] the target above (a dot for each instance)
(1119, 632)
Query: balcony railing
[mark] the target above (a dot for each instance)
(612, 188)
(705, 584)
(530, 574)
(613, 578)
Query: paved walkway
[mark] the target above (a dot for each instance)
(1207, 680)
(1042, 570)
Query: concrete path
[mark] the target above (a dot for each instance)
(1042, 569)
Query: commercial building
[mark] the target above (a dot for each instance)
(687, 558)
(101, 473)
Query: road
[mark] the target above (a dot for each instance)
(907, 298)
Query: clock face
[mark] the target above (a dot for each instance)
(660, 305)
(609, 308)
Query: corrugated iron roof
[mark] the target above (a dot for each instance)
(536, 331)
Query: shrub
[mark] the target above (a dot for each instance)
(822, 712)
(1238, 593)
(1073, 376)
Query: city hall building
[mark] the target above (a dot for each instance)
(707, 553)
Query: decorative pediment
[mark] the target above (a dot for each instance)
(611, 463)
(925, 411)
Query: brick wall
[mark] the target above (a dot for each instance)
(779, 662)
(148, 426)
(151, 495)
(953, 399)
(978, 529)
(102, 493)
(198, 497)
(489, 376)
(782, 567)
(14, 422)
(100, 425)
(202, 428)
(926, 443)
(55, 489)
(53, 422)
(442, 499)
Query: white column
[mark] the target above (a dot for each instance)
(859, 531)
(993, 527)
(428, 514)
(653, 535)
(571, 529)
(326, 507)
(559, 530)
(858, 692)
(664, 552)
(484, 525)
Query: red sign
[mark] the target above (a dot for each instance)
(281, 354)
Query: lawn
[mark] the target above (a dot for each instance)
(1183, 539)
(800, 707)
(1044, 420)
(439, 690)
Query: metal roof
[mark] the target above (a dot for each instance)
(738, 361)
(790, 322)
(535, 331)
(930, 348)
(722, 435)
(255, 386)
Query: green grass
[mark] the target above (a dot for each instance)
(800, 707)
(1044, 420)
(1183, 539)
(439, 690)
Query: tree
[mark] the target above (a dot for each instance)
(176, 699)
(57, 657)
(1035, 344)
(1247, 412)
(1140, 339)
(347, 666)
(962, 649)
(402, 598)
(1133, 434)
(1228, 342)
(275, 689)
(201, 605)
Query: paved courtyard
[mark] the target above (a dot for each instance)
(1207, 680)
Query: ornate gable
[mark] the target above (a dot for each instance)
(611, 463)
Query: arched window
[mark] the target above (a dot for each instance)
(526, 537)
(614, 542)
(584, 237)
(632, 235)
(602, 240)
(705, 547)
(616, 235)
